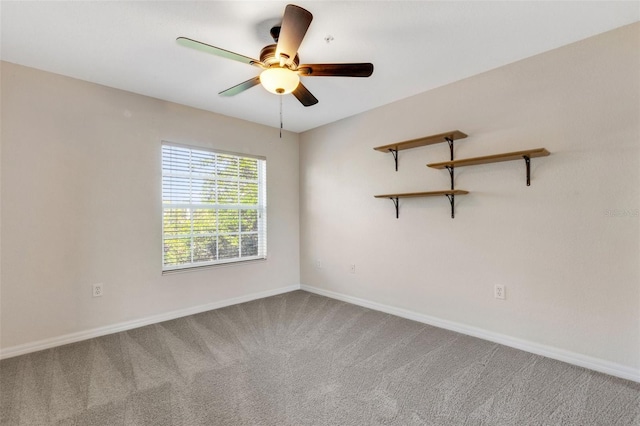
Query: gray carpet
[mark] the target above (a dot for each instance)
(303, 359)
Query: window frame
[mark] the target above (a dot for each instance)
(191, 207)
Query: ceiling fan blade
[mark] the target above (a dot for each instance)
(304, 95)
(336, 70)
(203, 47)
(295, 23)
(238, 88)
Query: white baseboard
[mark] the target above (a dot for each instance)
(569, 357)
(128, 325)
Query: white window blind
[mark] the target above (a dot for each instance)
(213, 207)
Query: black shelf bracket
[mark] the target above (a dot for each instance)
(450, 168)
(394, 152)
(452, 199)
(395, 203)
(527, 161)
(450, 142)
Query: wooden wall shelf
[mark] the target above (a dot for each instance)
(450, 194)
(427, 140)
(525, 155)
(415, 143)
(424, 194)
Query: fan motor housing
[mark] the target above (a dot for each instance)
(268, 57)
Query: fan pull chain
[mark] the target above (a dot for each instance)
(280, 116)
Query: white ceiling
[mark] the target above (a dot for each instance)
(415, 46)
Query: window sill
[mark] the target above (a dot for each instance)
(214, 265)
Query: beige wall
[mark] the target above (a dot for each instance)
(81, 204)
(566, 248)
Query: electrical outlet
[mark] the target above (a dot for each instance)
(97, 290)
(499, 292)
(352, 268)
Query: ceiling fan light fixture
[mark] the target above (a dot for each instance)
(279, 80)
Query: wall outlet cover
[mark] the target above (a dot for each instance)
(499, 292)
(97, 290)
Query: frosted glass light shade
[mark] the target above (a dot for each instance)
(279, 80)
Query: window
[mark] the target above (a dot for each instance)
(213, 207)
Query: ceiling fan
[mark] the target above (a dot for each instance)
(280, 64)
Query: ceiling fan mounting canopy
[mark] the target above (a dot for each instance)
(275, 33)
(280, 62)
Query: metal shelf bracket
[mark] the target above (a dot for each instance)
(452, 199)
(527, 161)
(394, 152)
(450, 142)
(450, 168)
(395, 203)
